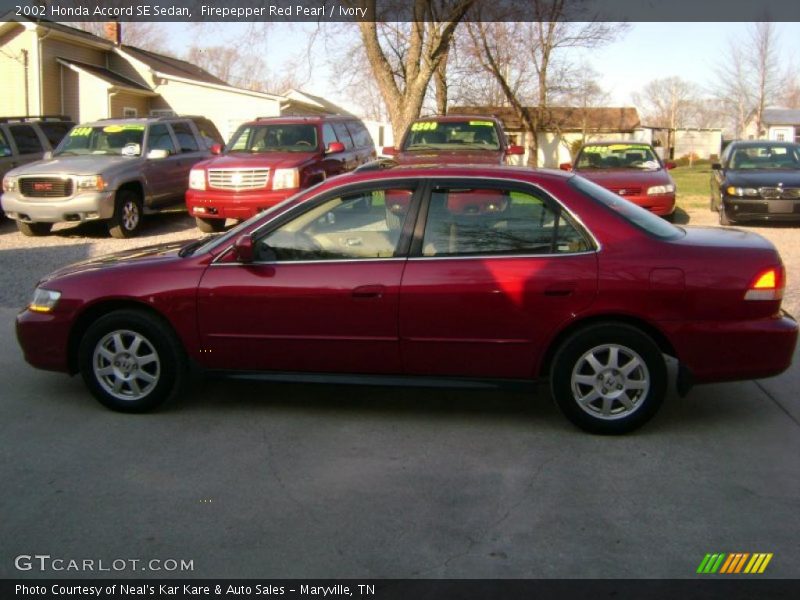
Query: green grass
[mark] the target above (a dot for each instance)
(693, 185)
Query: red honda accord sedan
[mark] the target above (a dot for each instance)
(494, 273)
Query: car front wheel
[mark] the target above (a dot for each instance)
(723, 216)
(127, 217)
(609, 378)
(131, 361)
(34, 229)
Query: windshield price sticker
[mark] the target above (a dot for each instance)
(481, 123)
(424, 126)
(80, 132)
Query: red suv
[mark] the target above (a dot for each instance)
(630, 169)
(269, 160)
(454, 139)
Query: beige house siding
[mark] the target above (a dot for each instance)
(227, 109)
(12, 73)
(122, 100)
(51, 69)
(70, 82)
(94, 98)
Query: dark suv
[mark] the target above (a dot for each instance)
(269, 160)
(454, 139)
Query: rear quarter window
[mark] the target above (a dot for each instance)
(359, 134)
(636, 215)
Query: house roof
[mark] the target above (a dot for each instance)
(780, 116)
(106, 75)
(564, 118)
(317, 103)
(169, 65)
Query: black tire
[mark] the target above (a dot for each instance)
(144, 382)
(723, 216)
(34, 229)
(614, 402)
(127, 217)
(670, 218)
(210, 225)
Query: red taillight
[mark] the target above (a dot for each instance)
(767, 285)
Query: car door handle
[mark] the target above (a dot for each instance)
(369, 291)
(566, 288)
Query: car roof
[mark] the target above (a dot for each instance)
(301, 119)
(759, 143)
(459, 117)
(616, 142)
(500, 172)
(135, 120)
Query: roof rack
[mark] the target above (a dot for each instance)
(28, 118)
(377, 165)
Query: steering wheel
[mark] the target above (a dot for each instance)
(302, 143)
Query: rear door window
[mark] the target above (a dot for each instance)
(26, 139)
(343, 135)
(185, 136)
(495, 221)
(328, 135)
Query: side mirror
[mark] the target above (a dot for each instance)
(716, 166)
(216, 149)
(670, 165)
(389, 151)
(243, 248)
(565, 166)
(46, 156)
(335, 147)
(515, 151)
(157, 154)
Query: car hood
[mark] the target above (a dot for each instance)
(758, 178)
(453, 157)
(263, 160)
(145, 255)
(626, 177)
(73, 165)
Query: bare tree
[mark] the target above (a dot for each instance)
(733, 88)
(543, 41)
(148, 35)
(669, 102)
(763, 41)
(404, 59)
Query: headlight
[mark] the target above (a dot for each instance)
(89, 183)
(197, 179)
(742, 192)
(661, 189)
(286, 179)
(44, 301)
(9, 184)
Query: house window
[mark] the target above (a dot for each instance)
(162, 112)
(129, 113)
(780, 137)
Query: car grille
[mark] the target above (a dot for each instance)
(45, 187)
(779, 192)
(626, 191)
(237, 179)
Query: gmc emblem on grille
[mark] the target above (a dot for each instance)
(42, 186)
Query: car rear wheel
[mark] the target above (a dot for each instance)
(131, 361)
(34, 229)
(127, 217)
(210, 225)
(609, 378)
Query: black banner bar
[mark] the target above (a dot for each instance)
(732, 588)
(235, 11)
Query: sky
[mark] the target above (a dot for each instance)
(647, 51)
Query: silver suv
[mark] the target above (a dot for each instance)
(113, 170)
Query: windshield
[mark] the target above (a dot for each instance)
(765, 156)
(118, 140)
(617, 156)
(452, 135)
(286, 137)
(636, 215)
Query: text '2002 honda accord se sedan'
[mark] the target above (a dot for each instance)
(494, 273)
